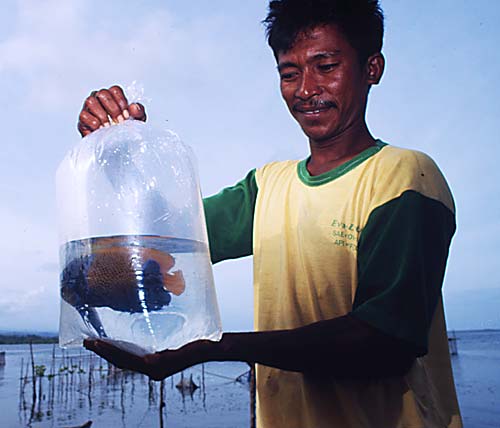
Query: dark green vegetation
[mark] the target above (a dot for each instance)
(13, 338)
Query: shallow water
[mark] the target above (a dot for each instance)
(114, 399)
(477, 377)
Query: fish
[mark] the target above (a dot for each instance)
(125, 278)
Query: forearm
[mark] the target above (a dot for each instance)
(344, 346)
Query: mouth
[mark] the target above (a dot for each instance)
(311, 112)
(313, 109)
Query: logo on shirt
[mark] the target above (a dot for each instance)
(345, 234)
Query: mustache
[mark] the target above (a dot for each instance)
(313, 104)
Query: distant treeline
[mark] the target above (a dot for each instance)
(11, 339)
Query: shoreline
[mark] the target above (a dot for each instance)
(27, 338)
(39, 338)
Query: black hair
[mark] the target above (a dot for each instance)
(361, 22)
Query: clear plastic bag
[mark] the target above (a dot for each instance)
(134, 257)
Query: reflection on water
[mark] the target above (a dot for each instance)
(2, 364)
(78, 389)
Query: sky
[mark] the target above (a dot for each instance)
(209, 75)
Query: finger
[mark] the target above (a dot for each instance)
(95, 108)
(110, 106)
(103, 350)
(88, 121)
(120, 99)
(137, 111)
(83, 130)
(116, 356)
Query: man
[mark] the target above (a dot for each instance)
(349, 245)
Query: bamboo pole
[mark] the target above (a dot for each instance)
(253, 419)
(162, 401)
(33, 371)
(90, 370)
(21, 379)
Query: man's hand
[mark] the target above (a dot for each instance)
(106, 106)
(344, 347)
(156, 366)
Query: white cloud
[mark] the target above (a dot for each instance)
(25, 290)
(56, 54)
(61, 52)
(42, 27)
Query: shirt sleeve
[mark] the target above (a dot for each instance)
(402, 255)
(229, 216)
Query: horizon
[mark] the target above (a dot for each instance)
(55, 333)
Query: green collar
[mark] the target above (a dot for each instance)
(334, 173)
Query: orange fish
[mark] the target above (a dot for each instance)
(125, 278)
(114, 268)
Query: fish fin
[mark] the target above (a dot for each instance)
(174, 282)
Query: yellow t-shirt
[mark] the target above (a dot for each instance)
(369, 238)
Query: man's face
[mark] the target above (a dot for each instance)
(323, 84)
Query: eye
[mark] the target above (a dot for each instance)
(328, 67)
(288, 76)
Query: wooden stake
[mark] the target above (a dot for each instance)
(33, 371)
(252, 397)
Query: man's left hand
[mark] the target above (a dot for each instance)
(156, 366)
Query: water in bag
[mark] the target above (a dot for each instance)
(135, 264)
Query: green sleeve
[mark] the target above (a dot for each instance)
(229, 216)
(402, 255)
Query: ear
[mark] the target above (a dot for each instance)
(375, 68)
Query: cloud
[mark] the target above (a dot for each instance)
(24, 299)
(26, 290)
(475, 308)
(49, 267)
(59, 49)
(39, 26)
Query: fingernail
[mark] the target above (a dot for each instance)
(120, 118)
(126, 114)
(107, 124)
(100, 127)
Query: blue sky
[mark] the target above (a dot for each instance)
(209, 75)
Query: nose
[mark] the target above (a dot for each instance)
(308, 86)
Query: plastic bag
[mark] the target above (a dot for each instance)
(134, 257)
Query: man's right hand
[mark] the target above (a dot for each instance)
(103, 107)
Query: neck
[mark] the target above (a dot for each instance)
(331, 153)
